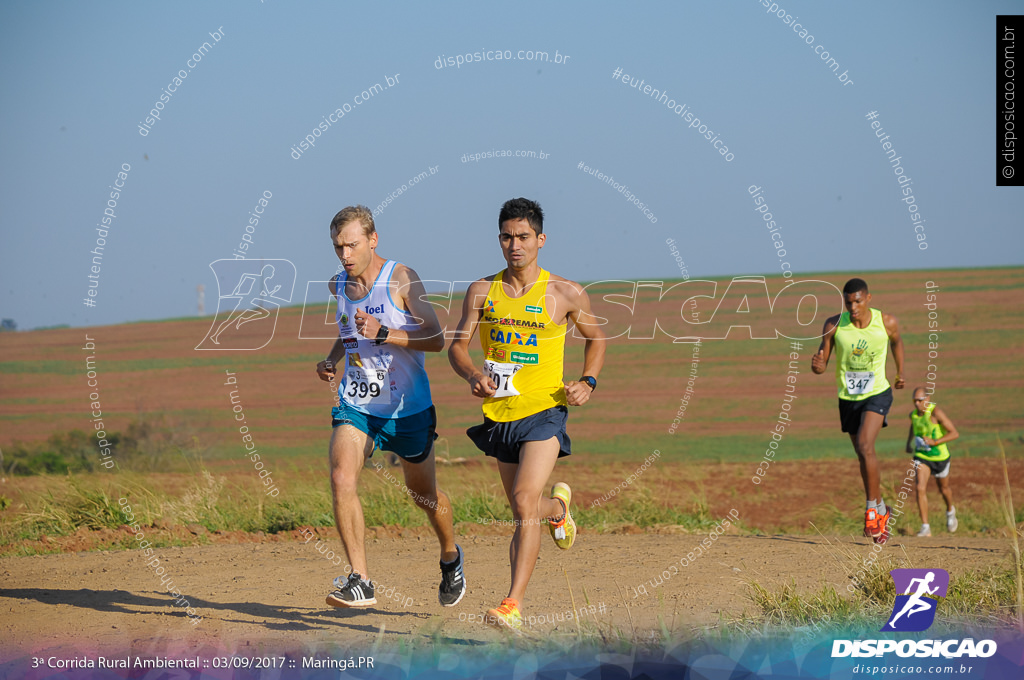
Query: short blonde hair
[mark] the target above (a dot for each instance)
(351, 213)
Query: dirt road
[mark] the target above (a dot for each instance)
(270, 596)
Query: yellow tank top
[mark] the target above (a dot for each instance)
(523, 352)
(924, 427)
(860, 371)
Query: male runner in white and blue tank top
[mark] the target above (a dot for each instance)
(384, 327)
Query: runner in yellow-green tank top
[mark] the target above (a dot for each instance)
(861, 337)
(930, 431)
(522, 314)
(861, 353)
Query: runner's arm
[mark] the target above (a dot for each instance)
(892, 327)
(910, 440)
(819, 360)
(429, 337)
(458, 351)
(325, 369)
(942, 419)
(578, 393)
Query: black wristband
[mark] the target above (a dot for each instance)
(382, 335)
(590, 381)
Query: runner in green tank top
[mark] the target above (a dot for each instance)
(861, 337)
(930, 431)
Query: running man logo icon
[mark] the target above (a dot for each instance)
(247, 316)
(914, 610)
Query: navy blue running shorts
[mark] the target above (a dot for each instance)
(503, 440)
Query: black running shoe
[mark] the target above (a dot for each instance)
(453, 582)
(355, 592)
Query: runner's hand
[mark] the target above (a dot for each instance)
(325, 369)
(482, 386)
(818, 363)
(900, 384)
(577, 393)
(366, 325)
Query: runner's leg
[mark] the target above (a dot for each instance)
(862, 463)
(864, 445)
(923, 473)
(525, 484)
(946, 490)
(421, 480)
(349, 449)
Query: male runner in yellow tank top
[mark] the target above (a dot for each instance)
(861, 336)
(522, 314)
(930, 431)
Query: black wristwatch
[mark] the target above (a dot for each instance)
(382, 335)
(590, 381)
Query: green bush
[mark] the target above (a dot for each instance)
(74, 451)
(148, 444)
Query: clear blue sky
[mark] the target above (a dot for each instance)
(79, 78)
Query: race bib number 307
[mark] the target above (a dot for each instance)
(501, 375)
(367, 386)
(859, 382)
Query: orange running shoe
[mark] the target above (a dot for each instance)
(883, 526)
(870, 523)
(506, 616)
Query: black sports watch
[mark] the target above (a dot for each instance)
(382, 335)
(590, 381)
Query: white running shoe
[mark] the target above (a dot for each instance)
(951, 521)
(925, 531)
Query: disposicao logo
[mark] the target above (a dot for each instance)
(912, 612)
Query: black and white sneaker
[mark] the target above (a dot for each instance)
(453, 582)
(354, 592)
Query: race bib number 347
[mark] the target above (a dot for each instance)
(367, 386)
(501, 375)
(859, 382)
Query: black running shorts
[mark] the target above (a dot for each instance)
(851, 412)
(939, 468)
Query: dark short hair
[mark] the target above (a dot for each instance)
(522, 209)
(854, 286)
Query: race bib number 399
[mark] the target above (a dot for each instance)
(859, 382)
(501, 375)
(367, 386)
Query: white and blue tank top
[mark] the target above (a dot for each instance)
(380, 380)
